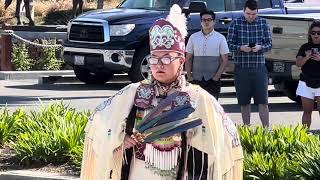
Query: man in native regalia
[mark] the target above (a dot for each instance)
(147, 129)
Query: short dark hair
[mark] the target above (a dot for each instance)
(251, 4)
(213, 15)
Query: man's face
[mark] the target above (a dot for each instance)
(166, 73)
(207, 22)
(250, 15)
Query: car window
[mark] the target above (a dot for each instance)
(214, 5)
(235, 5)
(147, 4)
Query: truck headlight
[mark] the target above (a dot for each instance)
(121, 30)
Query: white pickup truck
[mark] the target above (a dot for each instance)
(290, 31)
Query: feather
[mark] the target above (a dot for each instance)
(176, 113)
(163, 104)
(178, 129)
(178, 19)
(174, 116)
(167, 126)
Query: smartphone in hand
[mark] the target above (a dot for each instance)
(251, 45)
(314, 50)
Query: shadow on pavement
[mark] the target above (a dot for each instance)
(71, 87)
(272, 93)
(13, 100)
(273, 107)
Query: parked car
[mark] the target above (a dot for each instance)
(104, 42)
(290, 31)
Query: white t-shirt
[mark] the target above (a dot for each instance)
(207, 51)
(213, 44)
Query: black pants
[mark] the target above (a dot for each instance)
(195, 156)
(211, 86)
(196, 165)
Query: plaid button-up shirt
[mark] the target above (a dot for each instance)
(241, 32)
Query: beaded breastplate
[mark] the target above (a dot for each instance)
(162, 155)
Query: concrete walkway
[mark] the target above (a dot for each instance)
(33, 175)
(19, 75)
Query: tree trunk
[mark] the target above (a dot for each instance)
(100, 4)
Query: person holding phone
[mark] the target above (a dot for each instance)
(249, 37)
(308, 58)
(251, 45)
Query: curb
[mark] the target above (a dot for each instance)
(72, 78)
(20, 75)
(33, 175)
(57, 79)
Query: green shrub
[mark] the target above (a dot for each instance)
(265, 166)
(306, 163)
(20, 57)
(30, 57)
(76, 154)
(50, 61)
(9, 124)
(271, 154)
(280, 140)
(52, 135)
(46, 58)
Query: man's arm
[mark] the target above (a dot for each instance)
(223, 65)
(189, 58)
(232, 38)
(224, 53)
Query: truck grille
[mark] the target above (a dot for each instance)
(88, 32)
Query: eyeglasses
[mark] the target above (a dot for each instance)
(164, 60)
(315, 33)
(207, 20)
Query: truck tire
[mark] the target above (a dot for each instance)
(84, 75)
(289, 89)
(140, 67)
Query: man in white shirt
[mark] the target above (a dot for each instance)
(207, 55)
(206, 58)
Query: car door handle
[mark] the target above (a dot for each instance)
(225, 20)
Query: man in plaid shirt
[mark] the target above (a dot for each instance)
(249, 37)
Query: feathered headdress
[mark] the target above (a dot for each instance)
(169, 34)
(178, 20)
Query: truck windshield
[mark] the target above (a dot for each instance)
(215, 5)
(153, 4)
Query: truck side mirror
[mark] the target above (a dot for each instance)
(197, 6)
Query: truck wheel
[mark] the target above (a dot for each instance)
(140, 66)
(289, 89)
(88, 77)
